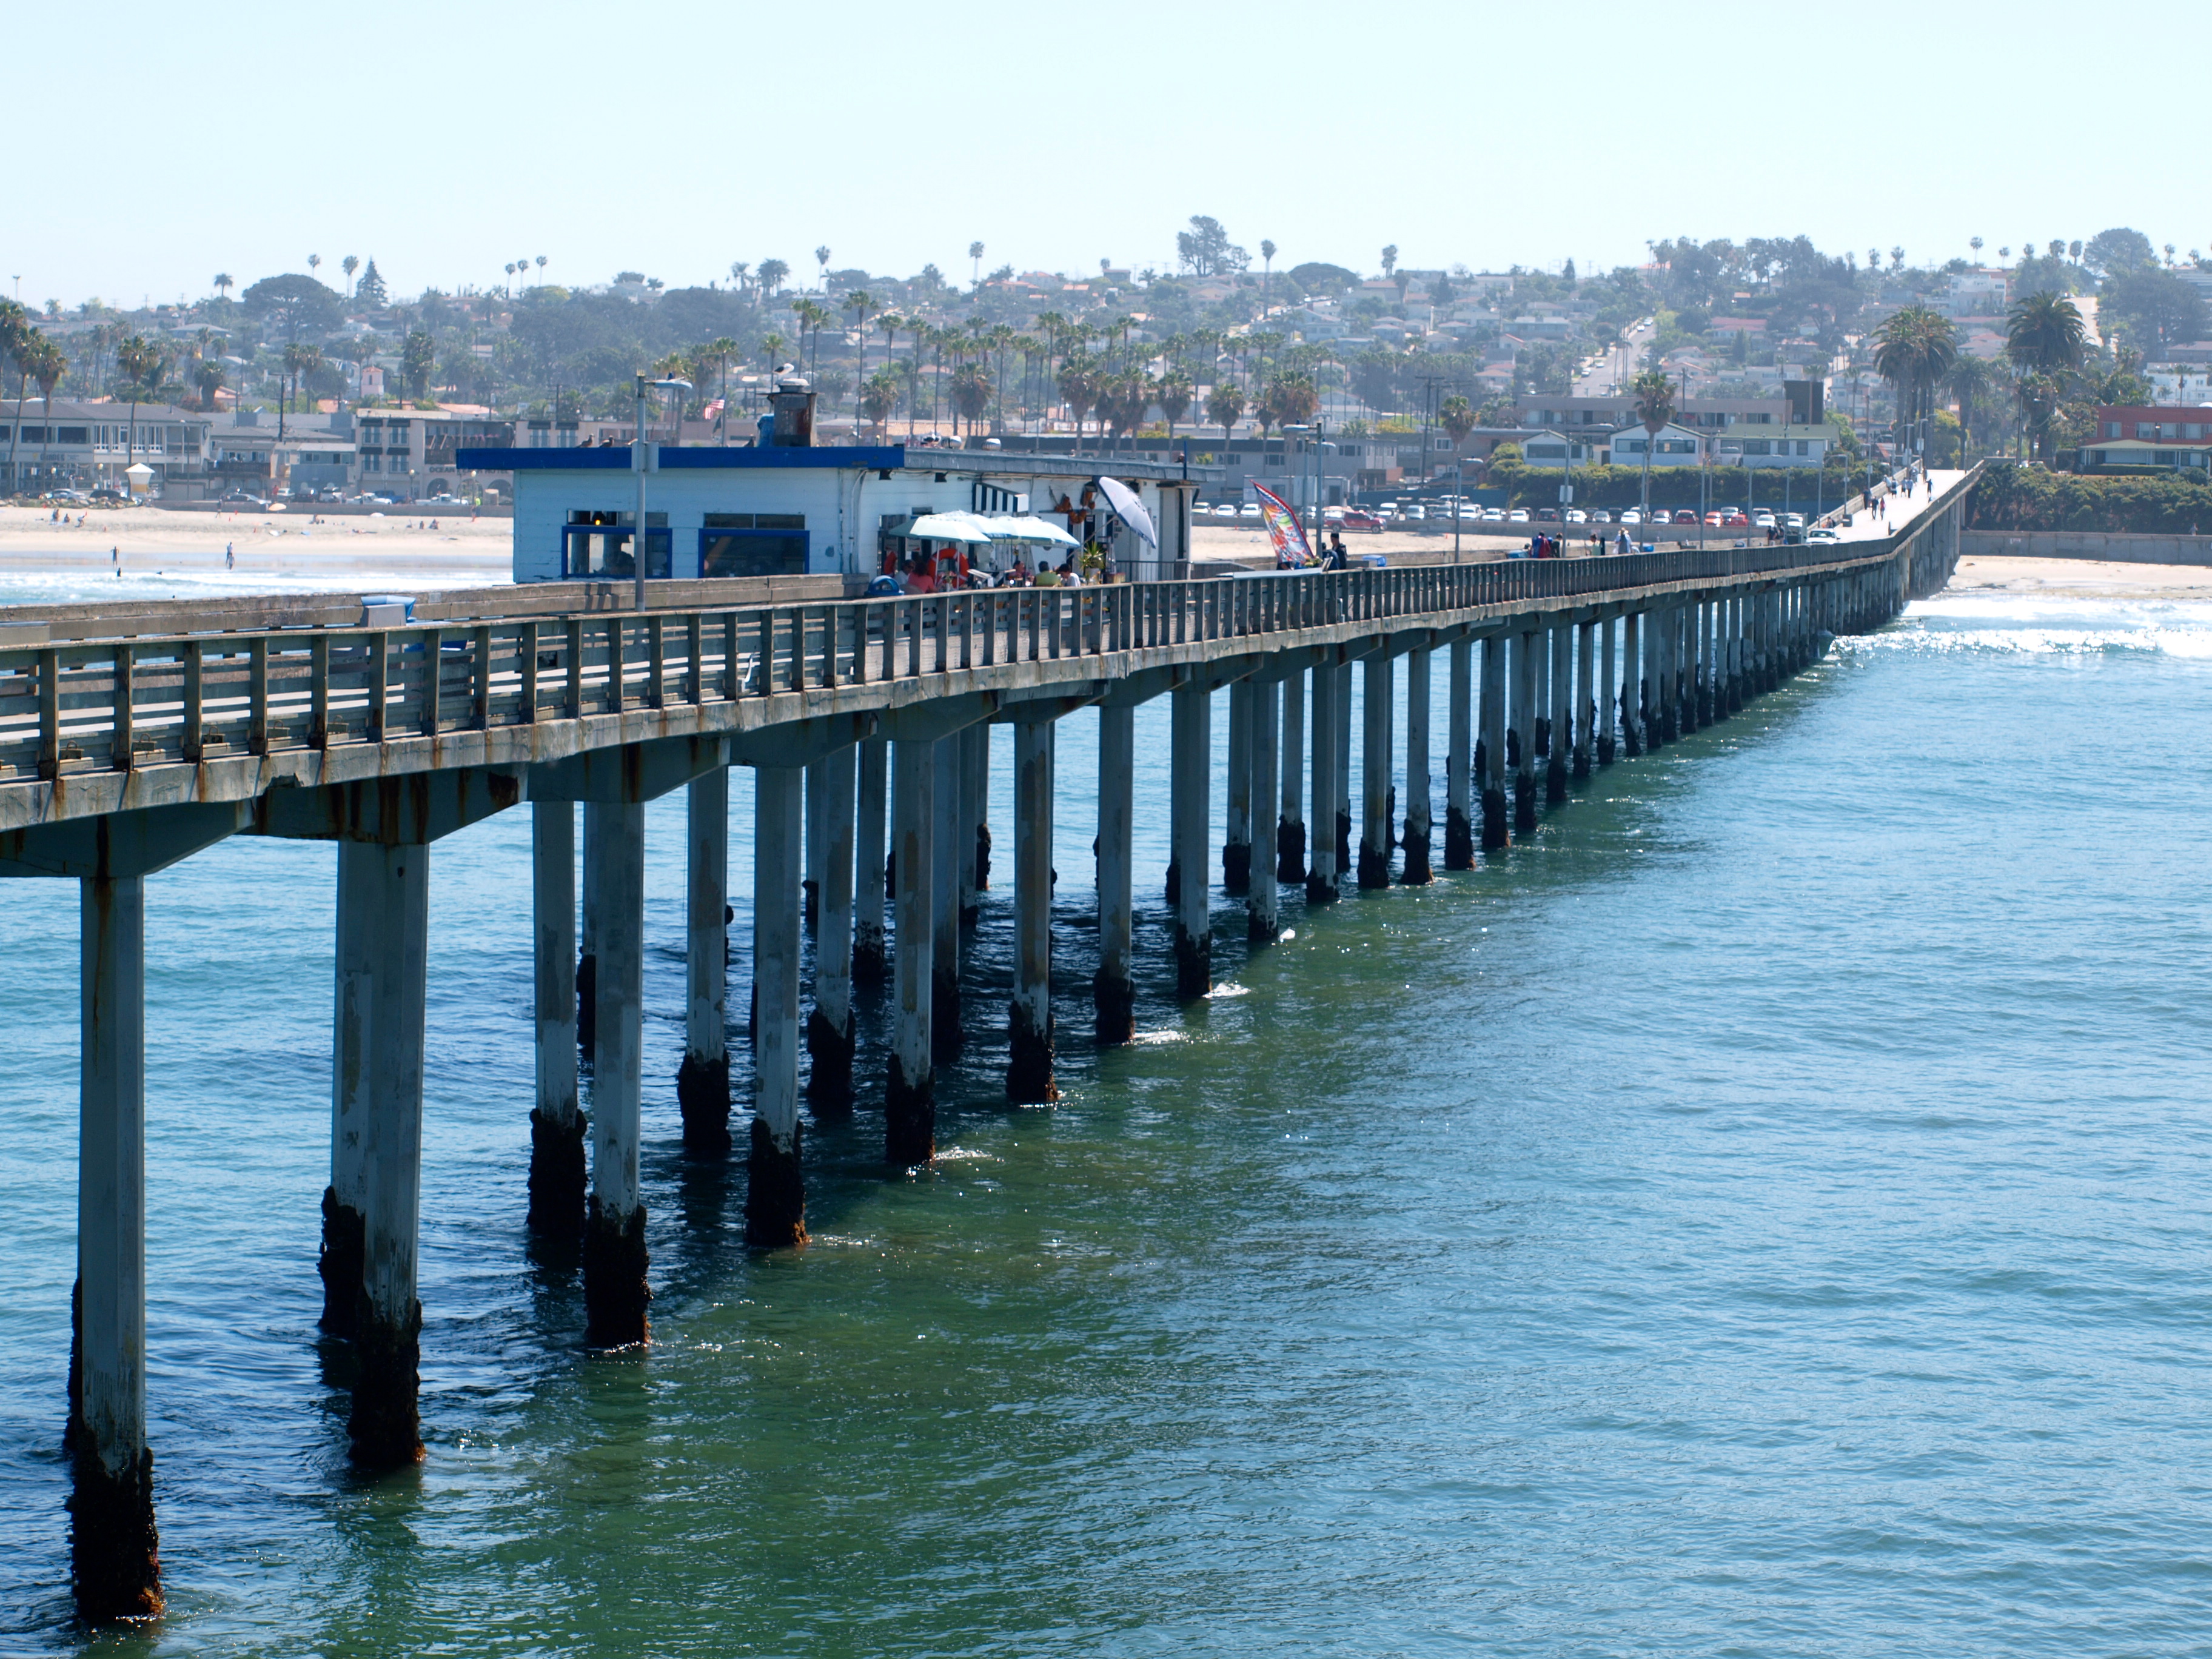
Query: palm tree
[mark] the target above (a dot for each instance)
(721, 349)
(879, 398)
(16, 336)
(1914, 350)
(1969, 381)
(1079, 382)
(771, 276)
(821, 261)
(1266, 269)
(2046, 331)
(1655, 406)
(210, 378)
(1225, 408)
(301, 360)
(1175, 395)
(224, 281)
(860, 302)
(772, 345)
(47, 365)
(1456, 416)
(349, 264)
(142, 362)
(975, 253)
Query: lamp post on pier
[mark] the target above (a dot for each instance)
(641, 463)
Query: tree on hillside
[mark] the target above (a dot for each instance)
(16, 334)
(2154, 309)
(47, 365)
(1266, 267)
(1079, 382)
(224, 281)
(1317, 276)
(975, 257)
(1175, 396)
(1205, 249)
(349, 264)
(1653, 395)
(1224, 408)
(2115, 253)
(773, 274)
(416, 357)
(292, 305)
(1456, 416)
(970, 393)
(2046, 331)
(1289, 400)
(1914, 350)
(879, 395)
(209, 378)
(822, 264)
(1389, 260)
(142, 363)
(369, 292)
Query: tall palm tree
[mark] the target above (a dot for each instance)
(47, 365)
(1653, 395)
(822, 264)
(142, 362)
(1914, 350)
(349, 264)
(2046, 331)
(860, 303)
(15, 337)
(1969, 381)
(1225, 408)
(209, 378)
(301, 360)
(721, 349)
(224, 281)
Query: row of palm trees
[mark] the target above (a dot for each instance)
(38, 360)
(2046, 348)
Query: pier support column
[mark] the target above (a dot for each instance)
(948, 852)
(1321, 853)
(1526, 649)
(1659, 730)
(1415, 871)
(1236, 838)
(556, 1121)
(775, 1193)
(910, 1094)
(1585, 695)
(587, 961)
(974, 822)
(115, 1552)
(1029, 1055)
(1604, 709)
(1191, 755)
(871, 964)
(810, 878)
(829, 1027)
(1113, 992)
(1631, 685)
(1733, 661)
(1701, 663)
(703, 1082)
(1339, 716)
(1291, 823)
(1375, 773)
(1561, 687)
(1459, 759)
(1262, 898)
(615, 1296)
(1496, 815)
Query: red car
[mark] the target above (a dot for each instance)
(1354, 520)
(1736, 519)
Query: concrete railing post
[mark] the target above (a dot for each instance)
(775, 1191)
(830, 1031)
(556, 1121)
(910, 1095)
(616, 1295)
(114, 1548)
(702, 1081)
(1030, 1027)
(1113, 992)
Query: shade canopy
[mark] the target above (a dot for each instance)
(947, 527)
(1131, 510)
(975, 529)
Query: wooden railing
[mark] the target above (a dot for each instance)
(149, 702)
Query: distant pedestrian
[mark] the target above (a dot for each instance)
(230, 555)
(115, 556)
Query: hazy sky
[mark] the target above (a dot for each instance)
(161, 146)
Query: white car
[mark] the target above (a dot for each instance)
(1518, 515)
(1469, 513)
(1632, 517)
(1493, 515)
(1387, 511)
(1793, 521)
(1415, 515)
(1822, 536)
(1250, 510)
(1600, 516)
(1575, 515)
(1762, 519)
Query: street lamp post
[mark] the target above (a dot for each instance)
(641, 459)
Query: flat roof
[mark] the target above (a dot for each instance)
(865, 457)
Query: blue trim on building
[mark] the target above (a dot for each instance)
(873, 458)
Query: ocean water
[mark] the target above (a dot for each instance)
(1764, 1214)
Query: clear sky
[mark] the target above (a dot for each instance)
(153, 147)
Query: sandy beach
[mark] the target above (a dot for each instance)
(2085, 579)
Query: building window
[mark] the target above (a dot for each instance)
(2147, 429)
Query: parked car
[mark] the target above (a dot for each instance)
(1548, 515)
(1415, 515)
(1793, 521)
(1762, 519)
(1733, 518)
(1575, 515)
(1713, 518)
(1332, 515)
(109, 495)
(1631, 516)
(1250, 510)
(1601, 515)
(1387, 511)
(1686, 515)
(1518, 515)
(1493, 515)
(1355, 519)
(1822, 536)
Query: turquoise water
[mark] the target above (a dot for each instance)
(1765, 1215)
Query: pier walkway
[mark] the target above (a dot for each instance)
(863, 722)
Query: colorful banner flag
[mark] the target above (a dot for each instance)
(1283, 526)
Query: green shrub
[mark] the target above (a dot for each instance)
(2014, 497)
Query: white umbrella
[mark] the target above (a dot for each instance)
(947, 527)
(1026, 527)
(1131, 510)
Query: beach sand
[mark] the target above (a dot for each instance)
(274, 549)
(2086, 579)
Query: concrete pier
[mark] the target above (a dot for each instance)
(1029, 1016)
(948, 852)
(703, 1082)
(1605, 707)
(1659, 669)
(831, 1033)
(974, 822)
(1191, 756)
(1497, 816)
(1562, 688)
(1585, 720)
(1459, 759)
(810, 879)
(871, 962)
(1340, 715)
(910, 1092)
(1114, 994)
(1291, 823)
(1236, 838)
(775, 1193)
(616, 1295)
(556, 1121)
(115, 1556)
(1527, 647)
(1632, 684)
(1321, 851)
(1376, 699)
(1415, 871)
(587, 961)
(1263, 896)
